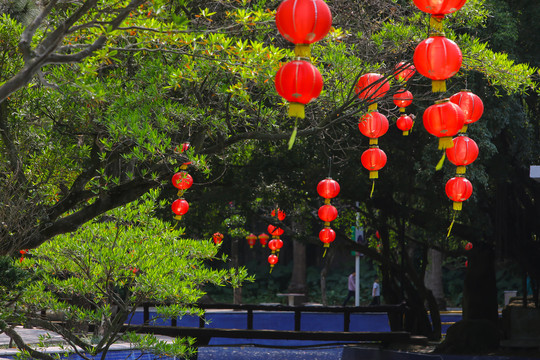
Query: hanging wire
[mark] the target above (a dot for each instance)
(330, 166)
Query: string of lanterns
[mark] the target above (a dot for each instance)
(182, 181)
(327, 189)
(403, 98)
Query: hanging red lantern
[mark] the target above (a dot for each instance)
(180, 207)
(272, 260)
(298, 82)
(373, 159)
(251, 239)
(438, 9)
(328, 188)
(405, 124)
(182, 181)
(471, 104)
(327, 235)
(463, 153)
(373, 125)
(404, 71)
(280, 214)
(275, 245)
(458, 189)
(303, 22)
(263, 239)
(444, 119)
(217, 237)
(468, 246)
(327, 213)
(371, 87)
(274, 230)
(182, 148)
(438, 59)
(402, 99)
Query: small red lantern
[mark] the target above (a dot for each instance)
(404, 71)
(374, 160)
(251, 239)
(180, 207)
(327, 213)
(402, 99)
(377, 234)
(458, 189)
(298, 82)
(405, 124)
(328, 188)
(438, 9)
(327, 235)
(370, 87)
(218, 238)
(280, 214)
(263, 238)
(438, 59)
(373, 125)
(182, 181)
(272, 260)
(471, 104)
(303, 22)
(184, 147)
(275, 245)
(463, 153)
(444, 119)
(275, 231)
(468, 246)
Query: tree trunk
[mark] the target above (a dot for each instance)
(298, 283)
(237, 292)
(324, 271)
(433, 277)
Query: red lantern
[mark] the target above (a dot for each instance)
(327, 235)
(370, 87)
(328, 188)
(438, 59)
(405, 124)
(458, 189)
(298, 82)
(438, 9)
(443, 119)
(404, 71)
(182, 181)
(263, 239)
(471, 104)
(272, 260)
(182, 149)
(303, 22)
(179, 207)
(327, 213)
(468, 246)
(402, 99)
(251, 239)
(275, 245)
(217, 237)
(374, 160)
(373, 125)
(281, 214)
(464, 152)
(275, 231)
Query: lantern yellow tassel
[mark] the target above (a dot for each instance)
(402, 109)
(441, 162)
(372, 189)
(180, 192)
(293, 137)
(406, 133)
(445, 142)
(302, 50)
(451, 224)
(438, 86)
(436, 23)
(326, 201)
(296, 110)
(460, 170)
(374, 141)
(463, 129)
(372, 107)
(373, 174)
(178, 217)
(326, 246)
(457, 206)
(183, 167)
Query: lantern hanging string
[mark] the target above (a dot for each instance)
(293, 135)
(372, 189)
(325, 250)
(451, 225)
(330, 166)
(441, 162)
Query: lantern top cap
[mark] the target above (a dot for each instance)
(442, 101)
(465, 90)
(436, 34)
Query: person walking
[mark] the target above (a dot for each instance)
(351, 286)
(376, 293)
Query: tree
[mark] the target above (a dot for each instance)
(99, 275)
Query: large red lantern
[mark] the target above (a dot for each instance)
(327, 213)
(402, 99)
(438, 59)
(263, 239)
(458, 189)
(328, 188)
(439, 8)
(298, 82)
(371, 87)
(373, 125)
(405, 124)
(180, 207)
(217, 237)
(327, 235)
(303, 22)
(404, 71)
(374, 160)
(182, 181)
(444, 119)
(251, 239)
(280, 214)
(471, 104)
(463, 153)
